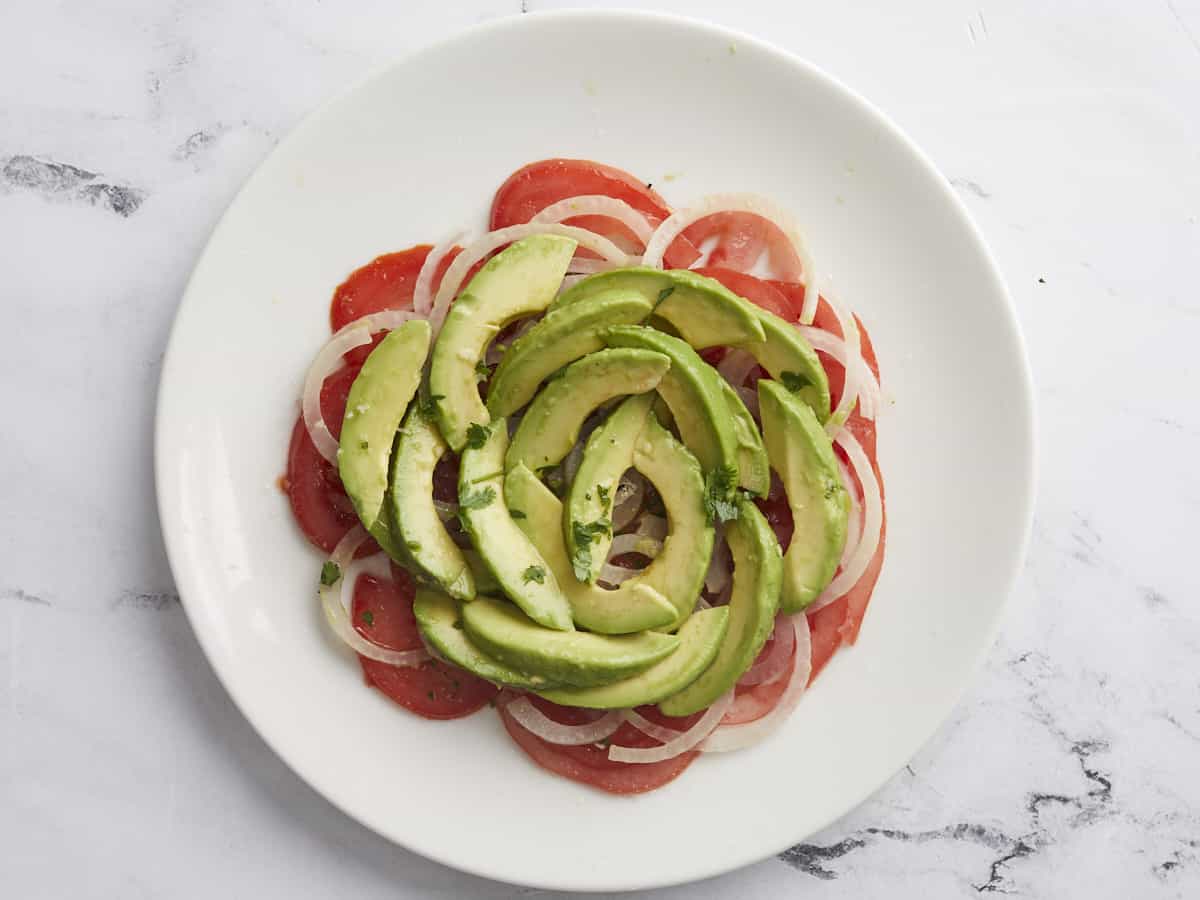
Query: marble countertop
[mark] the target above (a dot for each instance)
(1072, 769)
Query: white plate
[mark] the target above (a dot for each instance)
(416, 153)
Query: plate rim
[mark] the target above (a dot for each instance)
(1025, 391)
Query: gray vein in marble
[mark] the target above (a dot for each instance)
(969, 186)
(1183, 26)
(22, 596)
(150, 600)
(65, 182)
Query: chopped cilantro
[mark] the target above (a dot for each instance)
(663, 295)
(477, 435)
(517, 513)
(794, 381)
(368, 618)
(477, 499)
(427, 403)
(482, 371)
(331, 572)
(581, 559)
(720, 504)
(602, 491)
(534, 573)
(414, 546)
(363, 444)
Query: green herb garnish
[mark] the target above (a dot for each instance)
(794, 381)
(368, 618)
(517, 514)
(477, 435)
(331, 572)
(602, 491)
(482, 371)
(663, 295)
(414, 546)
(477, 499)
(720, 504)
(427, 403)
(534, 573)
(583, 533)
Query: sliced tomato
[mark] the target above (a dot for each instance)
(825, 627)
(532, 188)
(589, 764)
(759, 292)
(859, 596)
(754, 702)
(314, 489)
(741, 239)
(382, 613)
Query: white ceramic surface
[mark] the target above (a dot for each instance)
(361, 177)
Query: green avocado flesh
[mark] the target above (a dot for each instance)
(632, 606)
(438, 618)
(550, 427)
(606, 456)
(519, 568)
(519, 281)
(559, 339)
(792, 361)
(692, 390)
(754, 469)
(415, 521)
(700, 639)
(702, 311)
(575, 658)
(757, 572)
(802, 454)
(374, 408)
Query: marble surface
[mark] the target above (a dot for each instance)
(1072, 130)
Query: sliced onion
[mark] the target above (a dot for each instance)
(452, 281)
(854, 566)
(423, 292)
(686, 740)
(614, 574)
(834, 346)
(631, 491)
(538, 723)
(329, 360)
(635, 543)
(850, 389)
(775, 665)
(333, 604)
(445, 511)
(680, 221)
(653, 526)
(572, 461)
(597, 205)
(569, 281)
(735, 737)
(718, 565)
(736, 365)
(750, 398)
(587, 267)
(651, 729)
(701, 604)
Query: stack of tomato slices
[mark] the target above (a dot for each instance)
(726, 245)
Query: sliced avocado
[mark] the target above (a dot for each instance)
(438, 618)
(703, 311)
(757, 571)
(633, 606)
(754, 469)
(485, 581)
(606, 456)
(699, 642)
(692, 389)
(801, 452)
(518, 567)
(792, 361)
(415, 520)
(550, 427)
(519, 281)
(374, 408)
(575, 658)
(560, 338)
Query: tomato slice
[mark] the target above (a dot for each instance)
(741, 239)
(313, 487)
(382, 612)
(589, 764)
(759, 292)
(754, 702)
(825, 628)
(532, 188)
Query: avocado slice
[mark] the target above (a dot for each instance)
(632, 606)
(562, 337)
(703, 311)
(754, 469)
(375, 406)
(606, 456)
(415, 521)
(692, 390)
(791, 360)
(519, 281)
(485, 581)
(575, 658)
(550, 427)
(518, 567)
(757, 572)
(699, 642)
(438, 618)
(802, 454)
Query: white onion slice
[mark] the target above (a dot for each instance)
(653, 526)
(452, 282)
(854, 567)
(587, 267)
(750, 398)
(329, 360)
(686, 740)
(850, 389)
(718, 565)
(736, 365)
(614, 574)
(651, 729)
(572, 461)
(597, 205)
(423, 291)
(678, 222)
(775, 665)
(735, 737)
(334, 606)
(635, 543)
(834, 346)
(445, 511)
(631, 491)
(538, 723)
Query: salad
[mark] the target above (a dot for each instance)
(608, 468)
